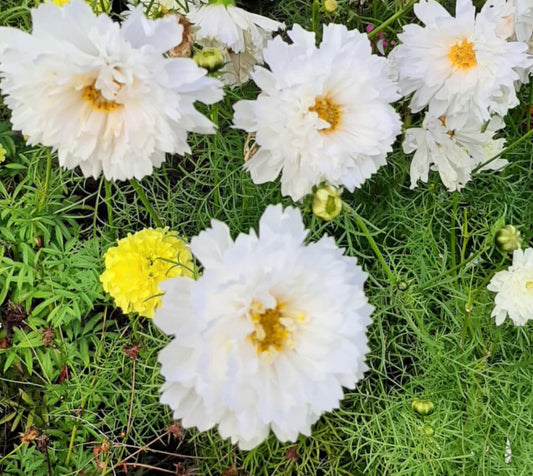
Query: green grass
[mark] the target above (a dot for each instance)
(432, 336)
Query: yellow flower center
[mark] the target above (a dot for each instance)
(462, 55)
(98, 102)
(529, 285)
(272, 327)
(328, 111)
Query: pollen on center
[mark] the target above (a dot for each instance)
(529, 285)
(328, 111)
(272, 327)
(462, 55)
(98, 102)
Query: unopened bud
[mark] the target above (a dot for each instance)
(210, 59)
(422, 407)
(508, 239)
(329, 6)
(3, 153)
(327, 203)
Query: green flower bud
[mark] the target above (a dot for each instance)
(402, 285)
(428, 430)
(508, 239)
(3, 153)
(422, 407)
(329, 6)
(210, 59)
(327, 203)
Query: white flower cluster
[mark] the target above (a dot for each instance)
(464, 70)
(273, 330)
(236, 35)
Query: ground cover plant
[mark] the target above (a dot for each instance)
(422, 297)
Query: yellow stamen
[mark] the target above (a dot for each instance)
(328, 111)
(98, 102)
(272, 327)
(529, 285)
(462, 55)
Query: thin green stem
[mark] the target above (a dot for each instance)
(71, 445)
(453, 243)
(42, 199)
(140, 193)
(507, 149)
(529, 106)
(361, 224)
(391, 19)
(12, 452)
(314, 15)
(107, 185)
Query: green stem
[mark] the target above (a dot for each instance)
(107, 185)
(361, 224)
(12, 452)
(453, 243)
(71, 445)
(314, 15)
(509, 147)
(391, 19)
(140, 193)
(48, 170)
(529, 105)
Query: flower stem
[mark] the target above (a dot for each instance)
(12, 452)
(361, 224)
(140, 193)
(509, 147)
(42, 199)
(391, 19)
(107, 185)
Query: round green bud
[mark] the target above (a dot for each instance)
(329, 6)
(508, 239)
(402, 285)
(210, 59)
(422, 407)
(327, 203)
(428, 430)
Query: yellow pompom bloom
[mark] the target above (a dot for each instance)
(135, 267)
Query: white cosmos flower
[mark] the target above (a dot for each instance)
(515, 18)
(459, 66)
(515, 21)
(269, 334)
(323, 113)
(453, 153)
(514, 288)
(101, 93)
(240, 35)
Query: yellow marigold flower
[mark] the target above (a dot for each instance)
(135, 267)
